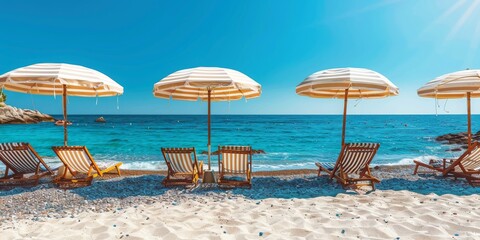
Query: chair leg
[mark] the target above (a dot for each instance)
(118, 170)
(319, 171)
(416, 169)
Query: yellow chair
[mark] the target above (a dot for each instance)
(81, 166)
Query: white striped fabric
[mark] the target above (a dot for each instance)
(180, 162)
(453, 85)
(472, 161)
(9, 146)
(327, 165)
(356, 156)
(49, 78)
(76, 159)
(360, 82)
(193, 84)
(21, 161)
(235, 162)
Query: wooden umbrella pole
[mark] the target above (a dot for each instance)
(469, 120)
(64, 98)
(345, 102)
(209, 129)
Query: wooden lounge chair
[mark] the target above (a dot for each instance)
(80, 167)
(183, 166)
(466, 166)
(354, 159)
(235, 166)
(22, 160)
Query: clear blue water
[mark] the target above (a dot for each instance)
(290, 141)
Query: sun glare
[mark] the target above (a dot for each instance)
(467, 13)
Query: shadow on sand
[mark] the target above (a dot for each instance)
(263, 187)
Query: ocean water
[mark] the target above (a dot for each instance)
(290, 141)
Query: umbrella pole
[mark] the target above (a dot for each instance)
(209, 129)
(469, 120)
(344, 116)
(64, 98)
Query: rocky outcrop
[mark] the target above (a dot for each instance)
(9, 114)
(459, 139)
(100, 120)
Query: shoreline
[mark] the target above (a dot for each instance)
(284, 172)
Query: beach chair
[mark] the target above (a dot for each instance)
(79, 166)
(466, 166)
(26, 165)
(235, 166)
(352, 168)
(183, 167)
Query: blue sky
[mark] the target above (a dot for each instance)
(277, 43)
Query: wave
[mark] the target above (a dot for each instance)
(409, 161)
(150, 165)
(267, 162)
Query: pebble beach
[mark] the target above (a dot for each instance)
(292, 204)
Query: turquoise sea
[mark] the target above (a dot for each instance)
(290, 141)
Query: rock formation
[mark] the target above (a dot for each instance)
(9, 114)
(100, 120)
(460, 139)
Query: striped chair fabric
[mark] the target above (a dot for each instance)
(472, 161)
(327, 165)
(180, 159)
(76, 158)
(235, 159)
(356, 156)
(19, 157)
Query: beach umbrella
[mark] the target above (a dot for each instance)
(207, 84)
(345, 83)
(60, 78)
(461, 84)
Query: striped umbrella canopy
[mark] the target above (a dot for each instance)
(360, 83)
(192, 84)
(207, 84)
(461, 84)
(346, 83)
(60, 78)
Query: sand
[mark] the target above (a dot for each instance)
(283, 206)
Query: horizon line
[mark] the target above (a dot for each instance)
(267, 114)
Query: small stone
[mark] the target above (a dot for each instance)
(260, 234)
